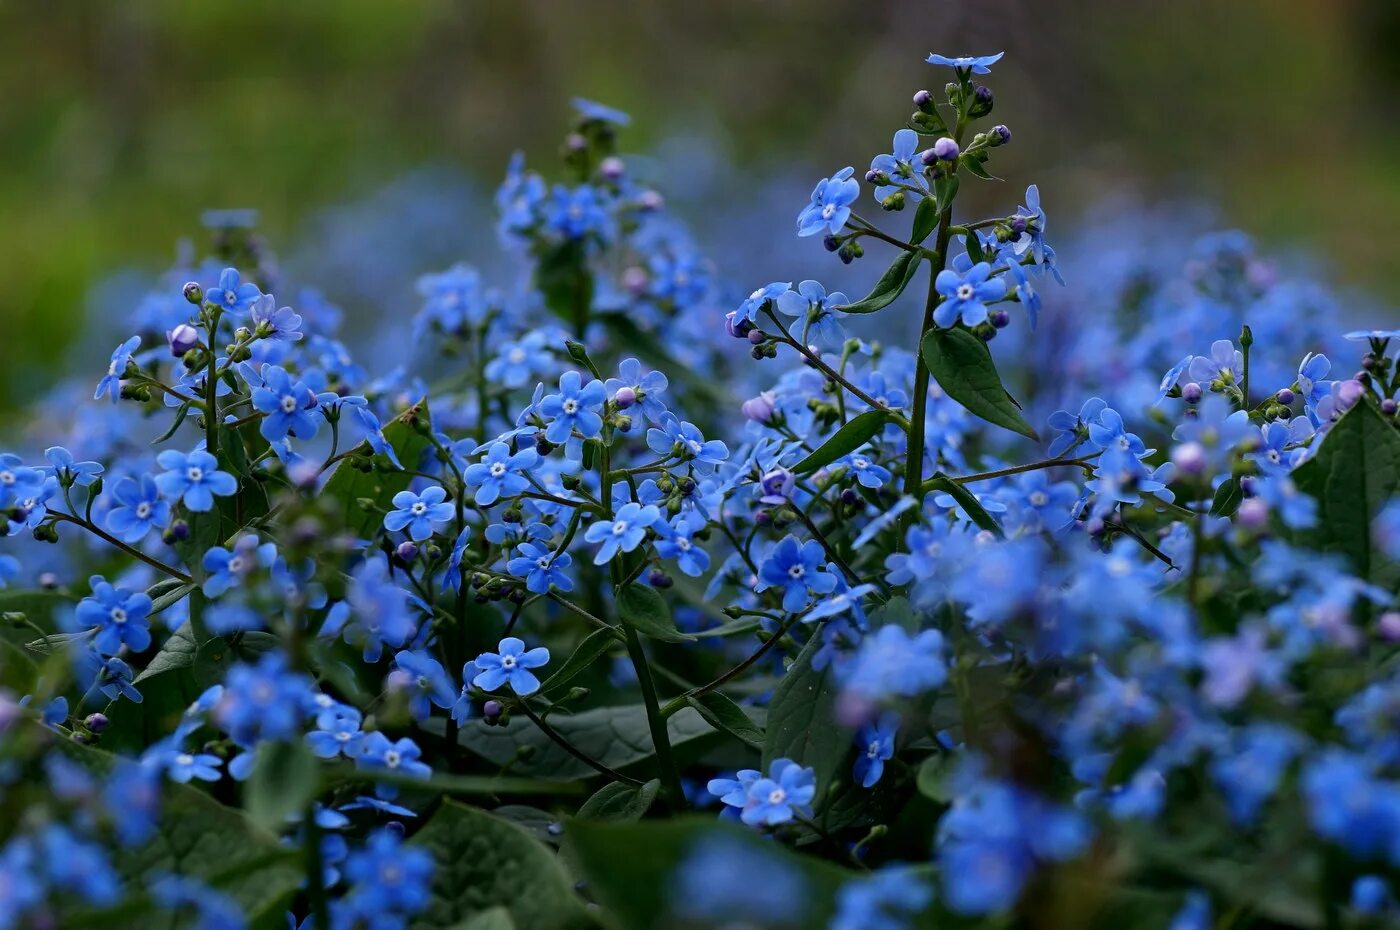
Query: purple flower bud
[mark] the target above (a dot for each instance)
(48, 581)
(612, 168)
(651, 201)
(928, 157)
(407, 551)
(849, 496)
(1000, 134)
(983, 93)
(757, 336)
(760, 408)
(763, 518)
(1389, 625)
(1388, 406)
(193, 292)
(492, 711)
(659, 579)
(96, 722)
(395, 827)
(575, 142)
(1286, 397)
(831, 243)
(735, 325)
(625, 397)
(1190, 458)
(635, 280)
(922, 98)
(181, 339)
(1191, 392)
(776, 485)
(945, 149)
(1253, 513)
(1018, 224)
(1000, 318)
(1348, 393)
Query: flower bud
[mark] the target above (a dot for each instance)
(181, 339)
(1348, 393)
(659, 579)
(945, 149)
(1000, 318)
(999, 135)
(407, 551)
(1189, 458)
(1191, 392)
(1286, 397)
(650, 201)
(757, 337)
(1388, 406)
(831, 243)
(193, 293)
(96, 722)
(625, 397)
(923, 99)
(48, 581)
(612, 168)
(1253, 513)
(982, 99)
(634, 281)
(1389, 625)
(759, 409)
(492, 711)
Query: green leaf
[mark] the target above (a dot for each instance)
(963, 367)
(1353, 475)
(168, 593)
(285, 779)
(974, 166)
(177, 652)
(615, 736)
(632, 869)
(974, 246)
(945, 189)
(1227, 498)
(966, 500)
(594, 645)
(850, 437)
(644, 610)
(485, 863)
(891, 284)
(724, 714)
(925, 220)
(802, 722)
(406, 434)
(620, 802)
(496, 918)
(935, 775)
(564, 280)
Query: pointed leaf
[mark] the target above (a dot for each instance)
(724, 714)
(802, 722)
(925, 220)
(891, 284)
(594, 645)
(644, 610)
(620, 802)
(847, 439)
(963, 367)
(966, 500)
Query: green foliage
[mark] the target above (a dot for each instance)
(802, 722)
(891, 284)
(408, 435)
(962, 365)
(850, 437)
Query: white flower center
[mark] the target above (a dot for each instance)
(515, 356)
(143, 510)
(392, 758)
(498, 469)
(194, 473)
(184, 758)
(419, 509)
(777, 796)
(118, 615)
(508, 662)
(796, 572)
(619, 527)
(570, 407)
(1039, 498)
(965, 291)
(289, 404)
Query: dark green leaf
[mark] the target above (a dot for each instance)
(616, 736)
(1227, 498)
(850, 437)
(945, 189)
(974, 166)
(168, 593)
(620, 802)
(57, 642)
(966, 500)
(485, 862)
(925, 220)
(724, 714)
(974, 246)
(594, 645)
(349, 484)
(632, 869)
(891, 284)
(285, 779)
(1353, 475)
(963, 367)
(644, 610)
(564, 280)
(496, 918)
(802, 722)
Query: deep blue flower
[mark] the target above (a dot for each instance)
(193, 477)
(753, 304)
(501, 473)
(1170, 379)
(831, 204)
(891, 662)
(875, 747)
(422, 514)
(225, 568)
(975, 64)
(592, 110)
(646, 388)
(541, 568)
(287, 406)
(515, 362)
(510, 666)
(140, 509)
(676, 540)
(119, 614)
(390, 881)
(231, 294)
(68, 471)
(798, 569)
(1071, 430)
(865, 470)
(269, 322)
(902, 167)
(817, 312)
(427, 681)
(788, 790)
(111, 382)
(400, 756)
(337, 733)
(684, 441)
(965, 296)
(575, 407)
(623, 532)
(577, 213)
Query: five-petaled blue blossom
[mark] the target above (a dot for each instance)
(831, 204)
(194, 478)
(901, 167)
(817, 312)
(67, 470)
(140, 509)
(875, 747)
(575, 407)
(118, 614)
(976, 64)
(541, 567)
(623, 532)
(510, 665)
(232, 294)
(965, 296)
(755, 302)
(286, 406)
(400, 756)
(675, 437)
(676, 541)
(786, 791)
(270, 322)
(501, 473)
(798, 569)
(116, 369)
(421, 514)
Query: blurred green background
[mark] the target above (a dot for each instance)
(121, 122)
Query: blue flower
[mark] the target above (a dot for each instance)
(510, 666)
(1031, 220)
(69, 472)
(575, 407)
(194, 478)
(966, 296)
(264, 701)
(1312, 372)
(788, 789)
(1170, 379)
(840, 602)
(1223, 365)
(337, 733)
(875, 747)
(501, 473)
(891, 662)
(1023, 289)
(577, 213)
(9, 570)
(831, 204)
(423, 514)
(646, 389)
(623, 532)
(676, 540)
(379, 752)
(287, 406)
(798, 569)
(1110, 435)
(140, 509)
(427, 681)
(684, 441)
(121, 357)
(110, 675)
(118, 614)
(225, 568)
(811, 304)
(390, 882)
(541, 568)
(515, 361)
(181, 766)
(269, 322)
(888, 899)
(865, 470)
(725, 882)
(591, 110)
(231, 295)
(1071, 430)
(901, 167)
(976, 64)
(753, 304)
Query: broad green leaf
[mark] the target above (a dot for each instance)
(286, 777)
(616, 736)
(1353, 475)
(974, 166)
(594, 645)
(925, 220)
(634, 870)
(484, 863)
(802, 722)
(724, 714)
(618, 801)
(348, 484)
(1227, 498)
(563, 278)
(644, 610)
(945, 189)
(963, 367)
(974, 246)
(966, 500)
(934, 779)
(850, 437)
(891, 284)
(168, 593)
